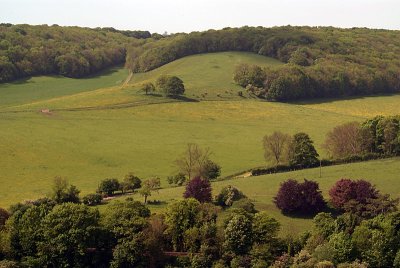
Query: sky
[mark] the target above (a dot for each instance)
(174, 16)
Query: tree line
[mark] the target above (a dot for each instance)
(374, 138)
(321, 61)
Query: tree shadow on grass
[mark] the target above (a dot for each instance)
(329, 100)
(308, 216)
(183, 98)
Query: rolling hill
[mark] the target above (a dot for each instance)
(96, 128)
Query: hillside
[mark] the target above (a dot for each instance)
(85, 138)
(321, 62)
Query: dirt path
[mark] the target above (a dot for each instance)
(127, 79)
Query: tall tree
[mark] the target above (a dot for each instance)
(63, 192)
(302, 152)
(344, 140)
(193, 160)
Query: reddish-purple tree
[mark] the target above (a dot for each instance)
(341, 192)
(346, 190)
(199, 189)
(295, 197)
(312, 199)
(288, 198)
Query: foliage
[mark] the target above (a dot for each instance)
(150, 185)
(302, 152)
(4, 215)
(344, 140)
(265, 228)
(245, 75)
(148, 88)
(238, 236)
(360, 198)
(377, 240)
(127, 222)
(295, 197)
(108, 186)
(170, 85)
(92, 199)
(179, 179)
(80, 225)
(210, 170)
(228, 195)
(181, 216)
(28, 50)
(63, 192)
(324, 61)
(199, 189)
(245, 204)
(130, 182)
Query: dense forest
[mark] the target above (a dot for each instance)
(27, 50)
(321, 61)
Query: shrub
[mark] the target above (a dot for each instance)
(92, 199)
(228, 195)
(199, 189)
(170, 85)
(109, 186)
(360, 198)
(210, 170)
(345, 190)
(295, 197)
(179, 179)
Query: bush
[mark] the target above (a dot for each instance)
(210, 170)
(295, 197)
(199, 189)
(170, 85)
(92, 199)
(109, 186)
(345, 190)
(361, 199)
(179, 179)
(228, 195)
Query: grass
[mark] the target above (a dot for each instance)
(86, 138)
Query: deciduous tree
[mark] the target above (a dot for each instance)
(276, 147)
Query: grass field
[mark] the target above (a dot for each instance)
(88, 145)
(42, 88)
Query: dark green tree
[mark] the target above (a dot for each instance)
(63, 192)
(302, 153)
(108, 186)
(170, 85)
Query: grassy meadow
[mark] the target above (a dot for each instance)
(98, 129)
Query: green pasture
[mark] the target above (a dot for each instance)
(38, 89)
